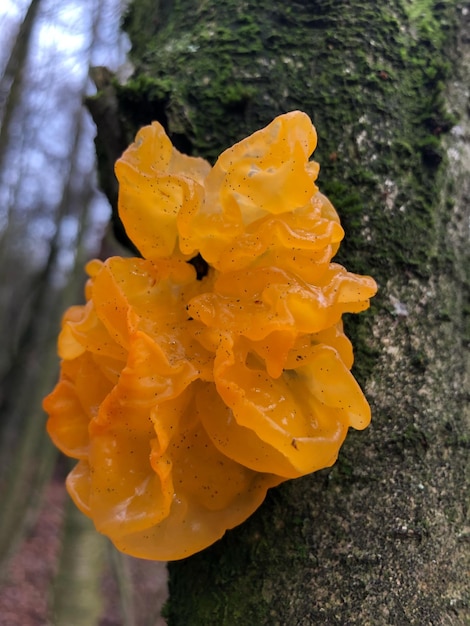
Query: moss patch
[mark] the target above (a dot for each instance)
(372, 81)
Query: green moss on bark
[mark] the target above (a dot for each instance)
(371, 79)
(375, 539)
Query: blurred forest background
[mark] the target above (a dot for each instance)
(52, 219)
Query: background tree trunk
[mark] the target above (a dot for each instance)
(380, 538)
(52, 219)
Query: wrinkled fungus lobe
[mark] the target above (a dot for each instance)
(184, 399)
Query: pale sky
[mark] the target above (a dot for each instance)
(43, 149)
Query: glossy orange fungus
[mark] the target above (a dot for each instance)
(185, 398)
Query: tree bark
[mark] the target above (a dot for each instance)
(380, 538)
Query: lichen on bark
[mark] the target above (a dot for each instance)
(380, 537)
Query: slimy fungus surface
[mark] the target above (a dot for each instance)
(185, 397)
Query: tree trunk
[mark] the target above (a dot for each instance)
(379, 538)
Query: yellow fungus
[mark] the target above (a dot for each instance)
(184, 397)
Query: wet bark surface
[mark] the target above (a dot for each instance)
(382, 537)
